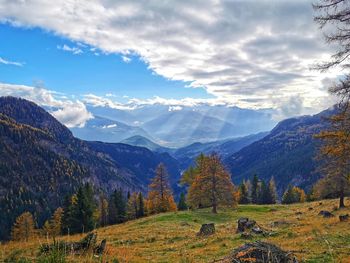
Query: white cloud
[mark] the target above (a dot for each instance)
(175, 108)
(126, 59)
(109, 126)
(73, 114)
(70, 113)
(253, 54)
(97, 101)
(74, 50)
(8, 62)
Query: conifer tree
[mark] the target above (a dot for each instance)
(84, 209)
(103, 211)
(288, 196)
(112, 210)
(181, 206)
(120, 203)
(160, 198)
(212, 186)
(263, 193)
(255, 189)
(243, 194)
(68, 221)
(132, 206)
(79, 211)
(293, 195)
(140, 206)
(23, 228)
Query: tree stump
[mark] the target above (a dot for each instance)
(101, 248)
(343, 218)
(259, 252)
(244, 223)
(206, 230)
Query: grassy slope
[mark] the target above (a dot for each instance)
(167, 238)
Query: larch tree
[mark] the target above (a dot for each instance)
(53, 227)
(23, 228)
(273, 191)
(190, 177)
(334, 155)
(212, 186)
(160, 198)
(334, 17)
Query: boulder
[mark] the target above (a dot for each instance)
(343, 218)
(206, 230)
(262, 252)
(325, 213)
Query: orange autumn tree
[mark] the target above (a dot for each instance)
(335, 158)
(160, 198)
(211, 185)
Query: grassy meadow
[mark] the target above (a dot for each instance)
(171, 237)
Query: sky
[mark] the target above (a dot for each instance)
(72, 54)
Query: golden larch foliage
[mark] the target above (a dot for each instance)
(23, 228)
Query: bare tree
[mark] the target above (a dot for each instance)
(336, 14)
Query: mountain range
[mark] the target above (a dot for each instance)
(174, 126)
(41, 161)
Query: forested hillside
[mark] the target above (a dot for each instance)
(287, 153)
(41, 162)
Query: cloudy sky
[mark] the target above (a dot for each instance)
(125, 54)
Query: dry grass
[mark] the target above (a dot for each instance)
(172, 237)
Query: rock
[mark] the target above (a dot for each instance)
(320, 203)
(261, 252)
(206, 230)
(298, 213)
(325, 213)
(343, 218)
(310, 208)
(244, 223)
